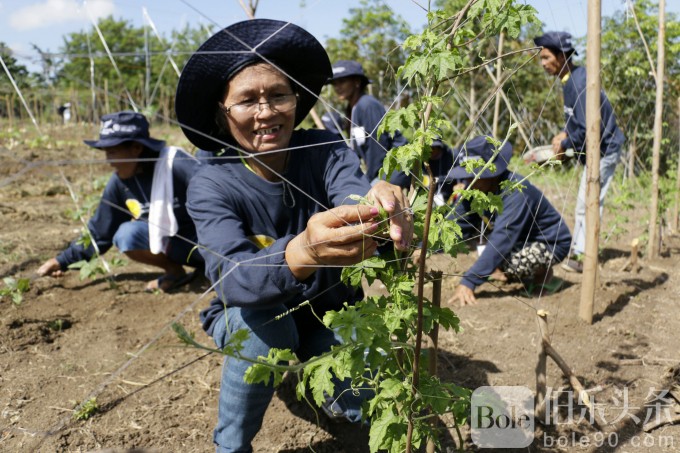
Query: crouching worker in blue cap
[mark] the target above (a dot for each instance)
(274, 219)
(142, 210)
(520, 243)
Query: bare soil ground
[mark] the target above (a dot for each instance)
(70, 340)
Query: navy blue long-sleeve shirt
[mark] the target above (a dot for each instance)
(574, 90)
(122, 194)
(527, 217)
(244, 224)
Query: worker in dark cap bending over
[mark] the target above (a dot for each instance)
(556, 54)
(522, 241)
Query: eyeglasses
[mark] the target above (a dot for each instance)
(279, 103)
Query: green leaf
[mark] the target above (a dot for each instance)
(392, 388)
(381, 435)
(267, 371)
(403, 158)
(319, 375)
(446, 62)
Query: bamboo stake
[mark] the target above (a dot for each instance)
(249, 8)
(93, 88)
(541, 365)
(499, 74)
(106, 96)
(317, 120)
(674, 220)
(473, 96)
(632, 264)
(593, 120)
(147, 63)
(653, 249)
(10, 110)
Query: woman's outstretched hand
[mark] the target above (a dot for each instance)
(338, 237)
(391, 198)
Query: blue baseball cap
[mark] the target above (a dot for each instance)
(348, 68)
(480, 149)
(126, 126)
(557, 40)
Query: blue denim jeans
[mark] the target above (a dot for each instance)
(134, 235)
(607, 168)
(242, 406)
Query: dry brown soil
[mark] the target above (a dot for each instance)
(70, 340)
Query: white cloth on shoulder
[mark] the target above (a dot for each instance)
(162, 220)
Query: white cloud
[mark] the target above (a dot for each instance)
(53, 12)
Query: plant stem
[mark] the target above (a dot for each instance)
(421, 284)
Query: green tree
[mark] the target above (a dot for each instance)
(469, 107)
(628, 78)
(145, 71)
(126, 44)
(20, 75)
(372, 35)
(18, 71)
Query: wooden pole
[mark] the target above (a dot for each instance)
(107, 107)
(9, 111)
(632, 152)
(674, 220)
(546, 350)
(473, 97)
(317, 119)
(499, 73)
(653, 247)
(593, 120)
(147, 74)
(541, 365)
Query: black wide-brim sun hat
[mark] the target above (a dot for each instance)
(480, 148)
(289, 48)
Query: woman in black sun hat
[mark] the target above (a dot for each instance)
(273, 217)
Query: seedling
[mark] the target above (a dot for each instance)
(86, 410)
(15, 289)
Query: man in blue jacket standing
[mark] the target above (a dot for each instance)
(556, 60)
(522, 241)
(365, 113)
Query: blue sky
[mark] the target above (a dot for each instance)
(45, 22)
